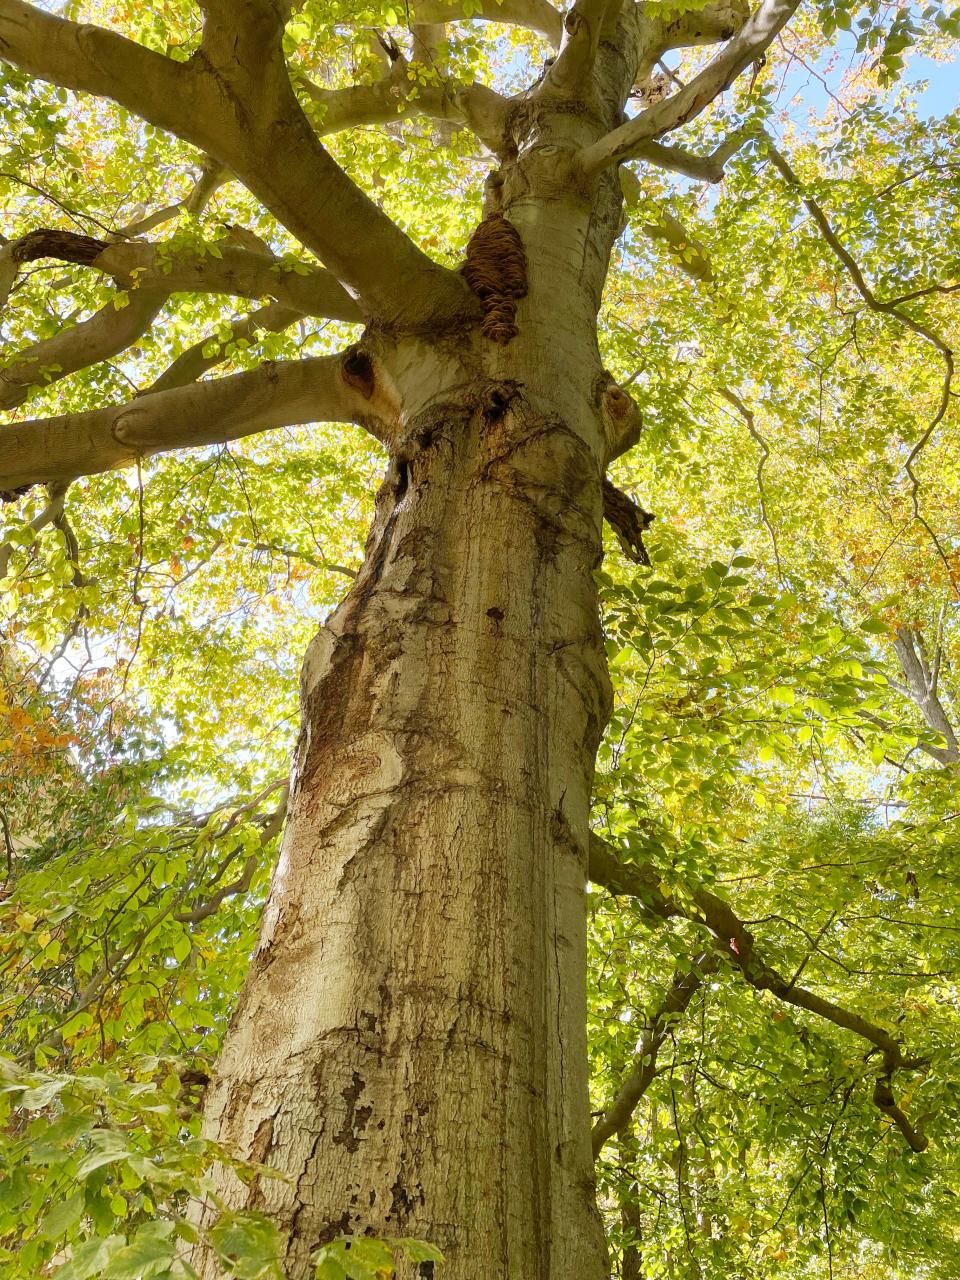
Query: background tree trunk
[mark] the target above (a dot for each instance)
(410, 1046)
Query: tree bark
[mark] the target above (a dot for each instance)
(409, 1050)
(410, 1046)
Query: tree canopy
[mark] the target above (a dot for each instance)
(774, 940)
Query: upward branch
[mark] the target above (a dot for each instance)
(616, 1118)
(746, 46)
(583, 25)
(247, 117)
(536, 15)
(397, 96)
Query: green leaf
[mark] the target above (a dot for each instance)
(90, 1258)
(149, 1254)
(419, 1250)
(62, 1218)
(182, 948)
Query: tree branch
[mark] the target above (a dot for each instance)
(583, 25)
(921, 687)
(622, 421)
(226, 269)
(46, 516)
(620, 1112)
(93, 60)
(212, 176)
(192, 363)
(253, 125)
(749, 418)
(747, 45)
(347, 387)
(206, 908)
(217, 268)
(535, 15)
(113, 329)
(701, 168)
(242, 30)
(736, 943)
(628, 521)
(665, 228)
(713, 24)
(106, 333)
(397, 96)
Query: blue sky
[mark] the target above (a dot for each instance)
(940, 95)
(943, 88)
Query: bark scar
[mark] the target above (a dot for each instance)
(357, 371)
(356, 1119)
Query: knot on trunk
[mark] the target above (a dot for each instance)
(628, 522)
(358, 372)
(496, 271)
(68, 246)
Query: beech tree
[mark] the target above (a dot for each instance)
(486, 239)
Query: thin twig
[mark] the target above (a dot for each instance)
(747, 414)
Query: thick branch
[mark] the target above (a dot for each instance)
(113, 328)
(922, 680)
(583, 25)
(66, 246)
(94, 60)
(622, 421)
(106, 333)
(253, 125)
(689, 253)
(48, 242)
(535, 15)
(745, 47)
(225, 269)
(734, 941)
(340, 388)
(242, 30)
(397, 96)
(218, 268)
(713, 24)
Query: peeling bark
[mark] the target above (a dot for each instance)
(411, 1035)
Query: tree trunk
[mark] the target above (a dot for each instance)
(410, 1048)
(410, 1045)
